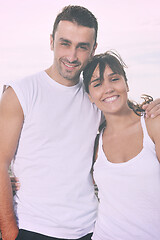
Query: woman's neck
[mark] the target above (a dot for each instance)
(119, 122)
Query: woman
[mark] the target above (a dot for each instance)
(127, 169)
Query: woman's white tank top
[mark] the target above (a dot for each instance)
(129, 193)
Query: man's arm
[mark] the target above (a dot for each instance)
(152, 109)
(153, 127)
(11, 121)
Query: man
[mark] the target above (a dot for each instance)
(48, 126)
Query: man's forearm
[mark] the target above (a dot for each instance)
(8, 224)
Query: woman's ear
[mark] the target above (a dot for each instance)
(90, 98)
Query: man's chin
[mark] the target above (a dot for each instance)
(71, 77)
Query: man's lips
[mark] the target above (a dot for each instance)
(110, 99)
(70, 65)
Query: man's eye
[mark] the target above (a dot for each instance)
(83, 48)
(65, 44)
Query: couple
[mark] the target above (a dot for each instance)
(49, 126)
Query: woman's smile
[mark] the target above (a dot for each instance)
(110, 99)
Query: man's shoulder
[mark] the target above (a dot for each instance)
(32, 77)
(25, 81)
(153, 126)
(153, 123)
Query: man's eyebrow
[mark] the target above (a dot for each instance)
(84, 44)
(79, 44)
(64, 40)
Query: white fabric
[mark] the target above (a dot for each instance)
(54, 158)
(129, 195)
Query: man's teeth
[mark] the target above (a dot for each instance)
(70, 66)
(111, 99)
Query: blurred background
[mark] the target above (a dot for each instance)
(131, 27)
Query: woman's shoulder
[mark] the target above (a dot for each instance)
(153, 127)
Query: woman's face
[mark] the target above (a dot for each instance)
(110, 94)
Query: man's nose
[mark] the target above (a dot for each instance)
(72, 55)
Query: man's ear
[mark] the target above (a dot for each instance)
(51, 42)
(94, 49)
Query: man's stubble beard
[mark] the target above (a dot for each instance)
(68, 75)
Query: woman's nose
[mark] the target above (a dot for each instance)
(108, 87)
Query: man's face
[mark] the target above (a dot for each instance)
(73, 45)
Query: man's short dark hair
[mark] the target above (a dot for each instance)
(78, 14)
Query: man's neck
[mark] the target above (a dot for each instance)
(52, 73)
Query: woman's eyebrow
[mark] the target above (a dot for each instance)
(112, 74)
(94, 80)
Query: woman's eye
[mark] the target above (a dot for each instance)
(97, 85)
(115, 79)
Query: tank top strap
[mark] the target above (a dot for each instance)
(146, 138)
(100, 138)
(143, 124)
(100, 144)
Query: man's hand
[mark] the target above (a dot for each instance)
(11, 234)
(152, 109)
(15, 184)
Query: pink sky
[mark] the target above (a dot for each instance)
(132, 27)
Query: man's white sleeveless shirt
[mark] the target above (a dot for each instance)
(54, 158)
